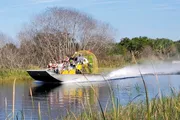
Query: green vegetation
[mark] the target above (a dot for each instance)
(168, 109)
(143, 48)
(8, 75)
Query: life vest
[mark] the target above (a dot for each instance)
(64, 72)
(72, 71)
(79, 66)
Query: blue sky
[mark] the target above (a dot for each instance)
(131, 18)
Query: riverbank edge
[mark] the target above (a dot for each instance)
(9, 75)
(21, 74)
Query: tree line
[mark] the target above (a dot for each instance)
(144, 47)
(57, 32)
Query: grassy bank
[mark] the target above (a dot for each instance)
(11, 74)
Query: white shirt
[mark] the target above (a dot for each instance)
(60, 66)
(85, 61)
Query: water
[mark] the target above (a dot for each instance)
(55, 100)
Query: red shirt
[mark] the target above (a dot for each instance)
(54, 65)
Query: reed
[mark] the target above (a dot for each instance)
(39, 111)
(49, 110)
(5, 102)
(145, 88)
(157, 80)
(169, 108)
(13, 101)
(32, 99)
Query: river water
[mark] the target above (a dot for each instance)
(55, 101)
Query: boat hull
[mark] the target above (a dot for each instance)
(51, 77)
(48, 76)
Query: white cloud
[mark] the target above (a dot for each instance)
(77, 3)
(43, 1)
(90, 3)
(107, 2)
(163, 7)
(28, 3)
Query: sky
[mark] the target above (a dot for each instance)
(131, 18)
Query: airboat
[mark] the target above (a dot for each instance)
(88, 73)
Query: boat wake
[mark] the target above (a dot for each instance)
(135, 71)
(145, 69)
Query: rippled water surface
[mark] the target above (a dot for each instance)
(53, 101)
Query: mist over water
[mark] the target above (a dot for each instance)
(148, 68)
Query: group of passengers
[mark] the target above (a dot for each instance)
(68, 64)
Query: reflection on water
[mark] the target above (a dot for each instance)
(55, 100)
(43, 89)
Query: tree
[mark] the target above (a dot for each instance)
(136, 44)
(177, 44)
(8, 52)
(164, 46)
(59, 31)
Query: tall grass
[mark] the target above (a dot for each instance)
(14, 94)
(169, 108)
(145, 88)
